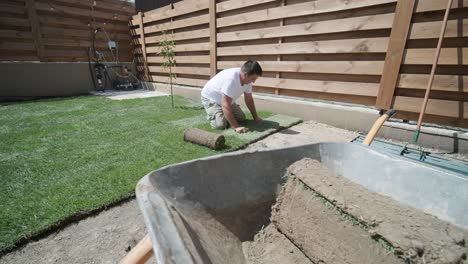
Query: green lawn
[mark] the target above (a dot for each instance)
(62, 157)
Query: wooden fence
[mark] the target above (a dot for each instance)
(371, 52)
(403, 85)
(62, 30)
(188, 24)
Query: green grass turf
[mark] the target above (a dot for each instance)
(62, 157)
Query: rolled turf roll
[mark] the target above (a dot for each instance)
(204, 138)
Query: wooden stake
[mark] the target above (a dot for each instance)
(143, 44)
(36, 29)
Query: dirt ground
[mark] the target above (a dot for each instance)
(106, 237)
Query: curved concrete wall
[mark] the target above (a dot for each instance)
(22, 80)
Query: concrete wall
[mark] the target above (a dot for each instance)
(350, 117)
(22, 80)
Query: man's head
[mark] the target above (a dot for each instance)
(250, 71)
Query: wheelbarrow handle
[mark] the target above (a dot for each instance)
(140, 253)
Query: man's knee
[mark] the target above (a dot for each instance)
(240, 116)
(219, 122)
(238, 113)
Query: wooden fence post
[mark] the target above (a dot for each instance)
(143, 44)
(35, 29)
(213, 61)
(395, 51)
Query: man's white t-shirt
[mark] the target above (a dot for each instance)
(226, 82)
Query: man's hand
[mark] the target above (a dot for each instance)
(258, 119)
(241, 129)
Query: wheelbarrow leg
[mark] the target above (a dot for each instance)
(140, 253)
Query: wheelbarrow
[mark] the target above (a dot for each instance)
(200, 211)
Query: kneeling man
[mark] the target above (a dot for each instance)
(219, 96)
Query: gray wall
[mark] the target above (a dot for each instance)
(23, 80)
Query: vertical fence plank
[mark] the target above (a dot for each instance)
(35, 29)
(395, 51)
(213, 61)
(278, 58)
(460, 29)
(143, 44)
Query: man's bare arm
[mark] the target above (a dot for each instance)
(226, 104)
(249, 101)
